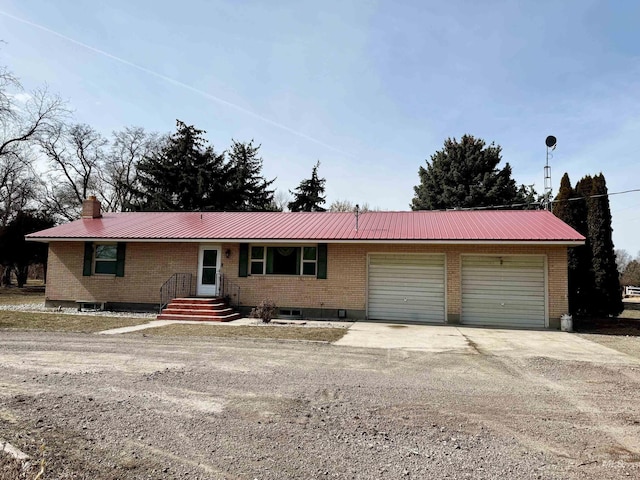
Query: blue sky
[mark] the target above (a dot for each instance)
(369, 88)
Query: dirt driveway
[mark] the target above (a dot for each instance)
(141, 407)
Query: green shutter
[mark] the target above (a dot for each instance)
(269, 260)
(88, 259)
(120, 254)
(322, 260)
(243, 267)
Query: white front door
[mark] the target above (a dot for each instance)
(208, 270)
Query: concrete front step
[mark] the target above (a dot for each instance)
(199, 318)
(198, 300)
(212, 309)
(198, 306)
(217, 312)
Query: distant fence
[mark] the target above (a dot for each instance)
(631, 291)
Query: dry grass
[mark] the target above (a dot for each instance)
(630, 314)
(18, 296)
(59, 322)
(318, 334)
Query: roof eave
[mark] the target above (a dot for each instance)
(570, 242)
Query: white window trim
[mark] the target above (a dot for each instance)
(303, 261)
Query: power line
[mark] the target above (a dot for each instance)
(597, 196)
(540, 204)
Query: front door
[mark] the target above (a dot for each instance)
(208, 269)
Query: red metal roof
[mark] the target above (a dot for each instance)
(424, 226)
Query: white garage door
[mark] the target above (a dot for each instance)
(503, 291)
(406, 288)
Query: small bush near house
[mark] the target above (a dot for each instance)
(265, 310)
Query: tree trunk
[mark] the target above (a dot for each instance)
(22, 274)
(6, 276)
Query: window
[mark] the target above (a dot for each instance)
(257, 260)
(106, 257)
(309, 260)
(284, 260)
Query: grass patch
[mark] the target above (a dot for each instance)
(18, 296)
(318, 334)
(58, 322)
(630, 314)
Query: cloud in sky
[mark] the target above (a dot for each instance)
(370, 88)
(22, 97)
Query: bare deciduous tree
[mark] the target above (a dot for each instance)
(24, 118)
(18, 185)
(120, 173)
(281, 199)
(349, 206)
(76, 157)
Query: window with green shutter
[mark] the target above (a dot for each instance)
(283, 260)
(104, 259)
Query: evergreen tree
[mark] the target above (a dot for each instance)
(607, 299)
(184, 174)
(464, 174)
(583, 273)
(16, 254)
(308, 196)
(566, 207)
(247, 189)
(562, 207)
(594, 287)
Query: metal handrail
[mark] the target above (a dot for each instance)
(230, 291)
(178, 285)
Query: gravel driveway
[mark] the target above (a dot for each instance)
(139, 407)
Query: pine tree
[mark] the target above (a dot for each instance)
(308, 196)
(608, 299)
(464, 174)
(184, 174)
(248, 190)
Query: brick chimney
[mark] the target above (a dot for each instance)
(91, 208)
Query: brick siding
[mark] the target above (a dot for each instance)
(149, 265)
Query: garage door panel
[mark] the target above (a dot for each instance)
(497, 311)
(503, 291)
(480, 294)
(520, 305)
(406, 287)
(416, 289)
(405, 259)
(524, 288)
(474, 276)
(414, 316)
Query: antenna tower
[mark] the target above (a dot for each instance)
(551, 145)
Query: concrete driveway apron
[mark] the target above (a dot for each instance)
(481, 341)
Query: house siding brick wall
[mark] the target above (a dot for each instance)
(149, 265)
(349, 261)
